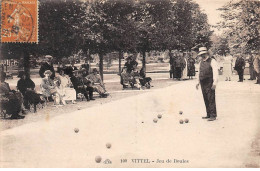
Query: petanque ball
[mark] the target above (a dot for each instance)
(108, 145)
(186, 120)
(181, 121)
(159, 116)
(98, 159)
(76, 130)
(155, 120)
(180, 112)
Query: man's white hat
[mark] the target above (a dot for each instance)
(202, 50)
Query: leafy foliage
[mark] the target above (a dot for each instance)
(241, 24)
(103, 26)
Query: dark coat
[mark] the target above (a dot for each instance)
(22, 85)
(179, 62)
(131, 66)
(45, 66)
(191, 66)
(240, 64)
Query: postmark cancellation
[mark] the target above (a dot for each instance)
(19, 22)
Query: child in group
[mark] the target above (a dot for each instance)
(58, 96)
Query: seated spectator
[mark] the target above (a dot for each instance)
(58, 96)
(84, 72)
(47, 85)
(128, 65)
(144, 81)
(125, 77)
(24, 85)
(65, 87)
(97, 83)
(10, 100)
(86, 67)
(30, 97)
(80, 85)
(131, 78)
(133, 63)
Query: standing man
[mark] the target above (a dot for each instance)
(257, 65)
(239, 67)
(208, 78)
(171, 65)
(179, 63)
(251, 68)
(47, 65)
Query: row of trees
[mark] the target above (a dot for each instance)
(241, 26)
(103, 26)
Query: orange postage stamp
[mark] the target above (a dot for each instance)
(19, 21)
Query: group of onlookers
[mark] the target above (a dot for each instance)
(67, 84)
(70, 83)
(182, 66)
(131, 76)
(10, 100)
(254, 65)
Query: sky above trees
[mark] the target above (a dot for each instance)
(210, 8)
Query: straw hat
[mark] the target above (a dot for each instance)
(48, 72)
(202, 50)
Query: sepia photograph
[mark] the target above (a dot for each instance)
(130, 84)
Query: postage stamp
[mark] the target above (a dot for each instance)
(19, 21)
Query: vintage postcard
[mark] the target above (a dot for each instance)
(130, 84)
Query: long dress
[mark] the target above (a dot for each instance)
(185, 69)
(256, 64)
(191, 67)
(227, 66)
(66, 92)
(47, 86)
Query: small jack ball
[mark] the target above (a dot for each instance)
(155, 120)
(159, 116)
(76, 130)
(108, 145)
(181, 121)
(98, 159)
(180, 112)
(186, 120)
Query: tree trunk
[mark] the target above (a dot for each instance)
(89, 60)
(120, 57)
(26, 62)
(6, 65)
(171, 64)
(144, 62)
(101, 65)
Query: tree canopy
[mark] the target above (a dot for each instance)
(99, 27)
(241, 25)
